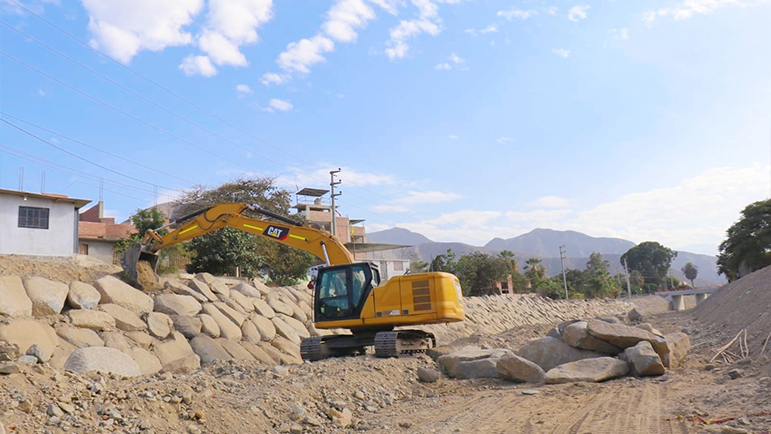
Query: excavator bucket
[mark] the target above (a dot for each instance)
(130, 260)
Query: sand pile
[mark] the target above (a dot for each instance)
(743, 304)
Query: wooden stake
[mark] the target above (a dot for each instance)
(720, 351)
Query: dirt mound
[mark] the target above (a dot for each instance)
(64, 271)
(743, 304)
(147, 278)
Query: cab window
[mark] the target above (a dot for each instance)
(342, 292)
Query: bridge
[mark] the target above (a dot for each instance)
(675, 297)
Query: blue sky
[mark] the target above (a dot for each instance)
(462, 120)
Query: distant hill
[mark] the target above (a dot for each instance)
(397, 236)
(546, 242)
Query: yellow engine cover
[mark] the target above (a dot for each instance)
(412, 299)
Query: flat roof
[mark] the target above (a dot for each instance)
(315, 192)
(79, 203)
(357, 221)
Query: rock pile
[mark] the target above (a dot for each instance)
(592, 350)
(114, 328)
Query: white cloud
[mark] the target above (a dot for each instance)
(453, 137)
(303, 177)
(492, 28)
(503, 140)
(198, 65)
(561, 52)
(577, 13)
(416, 198)
(552, 10)
(689, 8)
(345, 17)
(300, 55)
(471, 32)
(454, 58)
(551, 202)
(273, 78)
(397, 45)
(443, 67)
(122, 28)
(516, 14)
(243, 90)
(280, 105)
(621, 34)
(41, 92)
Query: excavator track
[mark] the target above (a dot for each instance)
(394, 343)
(311, 349)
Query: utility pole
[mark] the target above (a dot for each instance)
(564, 279)
(628, 286)
(333, 195)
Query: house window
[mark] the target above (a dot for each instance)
(83, 249)
(398, 266)
(31, 217)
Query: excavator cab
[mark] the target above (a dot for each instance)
(342, 290)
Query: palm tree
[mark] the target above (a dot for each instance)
(691, 271)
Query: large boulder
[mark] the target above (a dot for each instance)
(231, 313)
(588, 370)
(228, 329)
(174, 304)
(175, 348)
(202, 289)
(649, 327)
(91, 319)
(482, 368)
(125, 319)
(25, 332)
(549, 353)
(514, 368)
(250, 332)
(298, 326)
(261, 307)
(289, 348)
(185, 365)
(179, 288)
(285, 330)
(636, 315)
(577, 335)
(258, 353)
(116, 340)
(61, 354)
(81, 338)
(114, 291)
(46, 295)
(102, 359)
(218, 287)
(209, 326)
(246, 303)
(624, 336)
(206, 278)
(147, 362)
(143, 339)
(159, 325)
(83, 296)
(643, 361)
(451, 361)
(679, 344)
(209, 350)
(189, 326)
(235, 350)
(13, 298)
(246, 290)
(264, 326)
(280, 307)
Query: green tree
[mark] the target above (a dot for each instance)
(419, 266)
(221, 252)
(637, 281)
(151, 218)
(444, 262)
(534, 270)
(478, 273)
(651, 259)
(691, 271)
(748, 244)
(508, 256)
(597, 281)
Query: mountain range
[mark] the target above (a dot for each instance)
(544, 245)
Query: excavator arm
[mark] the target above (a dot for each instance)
(319, 243)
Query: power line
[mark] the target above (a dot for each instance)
(83, 158)
(196, 106)
(93, 147)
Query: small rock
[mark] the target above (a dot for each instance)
(312, 421)
(192, 429)
(54, 411)
(636, 314)
(744, 362)
(38, 353)
(427, 375)
(359, 395)
(709, 367)
(743, 421)
(530, 392)
(67, 408)
(280, 371)
(735, 373)
(27, 360)
(7, 368)
(25, 406)
(733, 430)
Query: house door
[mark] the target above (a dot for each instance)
(83, 248)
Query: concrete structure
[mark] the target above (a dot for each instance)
(98, 234)
(35, 224)
(675, 298)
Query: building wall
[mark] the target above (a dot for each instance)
(101, 250)
(390, 268)
(58, 240)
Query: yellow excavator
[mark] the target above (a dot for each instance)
(347, 294)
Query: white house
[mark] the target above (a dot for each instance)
(35, 224)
